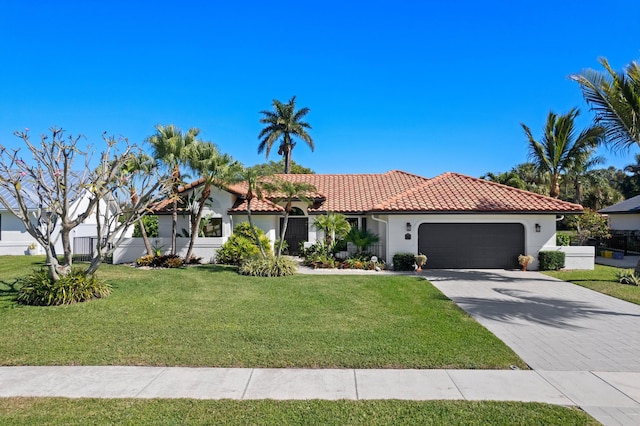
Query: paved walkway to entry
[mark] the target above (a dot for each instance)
(573, 337)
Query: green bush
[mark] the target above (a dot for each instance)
(628, 276)
(38, 290)
(551, 260)
(241, 244)
(563, 239)
(150, 223)
(404, 261)
(145, 260)
(269, 267)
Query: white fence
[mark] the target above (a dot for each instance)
(132, 248)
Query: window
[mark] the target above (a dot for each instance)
(363, 221)
(211, 227)
(353, 221)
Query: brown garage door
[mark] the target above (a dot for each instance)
(471, 245)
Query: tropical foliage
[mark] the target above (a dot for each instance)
(169, 146)
(334, 226)
(242, 244)
(284, 191)
(560, 149)
(284, 124)
(274, 167)
(38, 289)
(614, 97)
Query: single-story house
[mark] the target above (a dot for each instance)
(457, 221)
(625, 215)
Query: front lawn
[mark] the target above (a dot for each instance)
(55, 411)
(602, 279)
(211, 316)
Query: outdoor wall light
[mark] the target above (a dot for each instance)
(537, 227)
(408, 227)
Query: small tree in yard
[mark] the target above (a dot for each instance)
(591, 224)
(285, 191)
(44, 190)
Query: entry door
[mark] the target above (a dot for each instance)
(297, 232)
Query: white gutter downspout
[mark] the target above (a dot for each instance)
(386, 239)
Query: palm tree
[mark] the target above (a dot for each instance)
(215, 169)
(334, 225)
(615, 99)
(560, 148)
(139, 163)
(168, 145)
(283, 123)
(251, 177)
(287, 192)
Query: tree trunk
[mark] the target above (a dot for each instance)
(285, 222)
(145, 237)
(195, 223)
(52, 264)
(287, 160)
(66, 245)
(174, 226)
(253, 229)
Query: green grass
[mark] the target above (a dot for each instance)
(54, 411)
(602, 279)
(211, 316)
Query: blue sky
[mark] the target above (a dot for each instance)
(426, 87)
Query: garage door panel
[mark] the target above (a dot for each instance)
(471, 245)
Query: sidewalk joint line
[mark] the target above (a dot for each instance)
(246, 386)
(355, 383)
(163, 369)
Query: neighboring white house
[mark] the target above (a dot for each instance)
(625, 215)
(15, 240)
(456, 220)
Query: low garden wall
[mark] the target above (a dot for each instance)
(132, 248)
(576, 257)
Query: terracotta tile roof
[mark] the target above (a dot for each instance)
(397, 192)
(453, 192)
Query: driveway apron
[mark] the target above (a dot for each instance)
(551, 324)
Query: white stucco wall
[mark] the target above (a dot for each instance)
(624, 222)
(576, 257)
(14, 238)
(132, 248)
(534, 241)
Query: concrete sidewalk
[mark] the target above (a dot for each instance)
(612, 389)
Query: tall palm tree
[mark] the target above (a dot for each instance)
(615, 99)
(168, 145)
(215, 169)
(560, 148)
(287, 192)
(284, 123)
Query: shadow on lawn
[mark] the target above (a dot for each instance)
(528, 306)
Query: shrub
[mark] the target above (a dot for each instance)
(150, 223)
(38, 290)
(404, 262)
(269, 267)
(241, 244)
(563, 239)
(145, 260)
(551, 260)
(160, 261)
(628, 276)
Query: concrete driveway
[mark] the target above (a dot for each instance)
(584, 343)
(551, 324)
